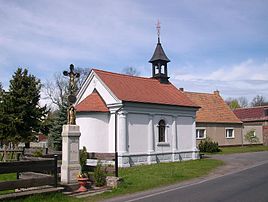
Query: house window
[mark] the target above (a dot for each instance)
(229, 133)
(161, 131)
(266, 112)
(200, 133)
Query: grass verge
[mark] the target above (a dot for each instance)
(7, 177)
(244, 149)
(145, 177)
(141, 178)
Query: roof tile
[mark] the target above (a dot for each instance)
(252, 114)
(213, 108)
(92, 103)
(144, 90)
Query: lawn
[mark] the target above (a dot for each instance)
(244, 149)
(6, 177)
(145, 177)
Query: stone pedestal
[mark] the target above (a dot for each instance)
(70, 167)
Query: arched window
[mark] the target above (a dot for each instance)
(161, 130)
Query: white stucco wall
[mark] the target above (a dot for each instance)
(94, 131)
(137, 133)
(185, 126)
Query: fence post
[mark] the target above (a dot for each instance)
(18, 158)
(55, 170)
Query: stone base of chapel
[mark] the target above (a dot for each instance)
(128, 160)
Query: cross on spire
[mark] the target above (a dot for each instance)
(158, 27)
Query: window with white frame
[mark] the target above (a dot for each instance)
(201, 133)
(229, 132)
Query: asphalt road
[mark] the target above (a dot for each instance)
(244, 177)
(246, 186)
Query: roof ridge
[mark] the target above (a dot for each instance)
(198, 93)
(251, 107)
(121, 74)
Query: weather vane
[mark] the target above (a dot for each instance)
(71, 97)
(158, 27)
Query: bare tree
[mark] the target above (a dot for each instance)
(56, 90)
(131, 71)
(242, 101)
(258, 100)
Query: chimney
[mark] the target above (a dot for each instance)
(182, 89)
(217, 92)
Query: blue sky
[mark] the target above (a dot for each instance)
(211, 44)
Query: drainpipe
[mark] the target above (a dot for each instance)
(242, 139)
(115, 144)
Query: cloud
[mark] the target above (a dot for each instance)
(247, 78)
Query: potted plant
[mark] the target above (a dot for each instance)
(82, 177)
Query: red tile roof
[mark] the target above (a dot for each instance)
(92, 103)
(213, 108)
(143, 90)
(252, 114)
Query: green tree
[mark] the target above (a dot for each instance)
(23, 101)
(232, 103)
(59, 118)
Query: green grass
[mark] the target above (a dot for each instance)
(244, 149)
(141, 178)
(7, 177)
(145, 177)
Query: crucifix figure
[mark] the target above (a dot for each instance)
(72, 76)
(71, 97)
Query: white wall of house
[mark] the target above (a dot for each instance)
(185, 128)
(94, 131)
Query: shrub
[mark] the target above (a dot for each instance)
(251, 137)
(83, 159)
(38, 153)
(208, 146)
(99, 175)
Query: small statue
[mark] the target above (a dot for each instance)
(71, 115)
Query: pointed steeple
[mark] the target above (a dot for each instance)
(159, 61)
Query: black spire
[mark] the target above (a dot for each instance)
(159, 61)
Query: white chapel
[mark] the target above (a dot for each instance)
(146, 120)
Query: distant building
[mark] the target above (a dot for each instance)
(256, 119)
(216, 120)
(155, 121)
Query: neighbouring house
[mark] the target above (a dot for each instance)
(255, 119)
(147, 120)
(215, 119)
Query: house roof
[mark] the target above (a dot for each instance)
(252, 114)
(92, 103)
(213, 108)
(143, 90)
(159, 53)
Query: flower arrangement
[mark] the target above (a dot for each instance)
(82, 175)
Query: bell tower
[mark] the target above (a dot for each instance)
(159, 61)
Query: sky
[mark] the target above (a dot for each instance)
(212, 45)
